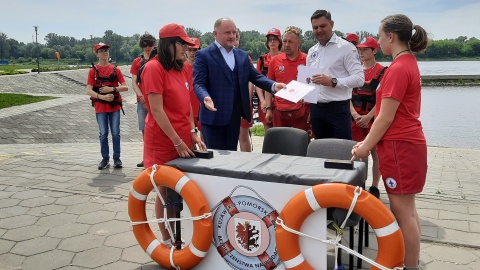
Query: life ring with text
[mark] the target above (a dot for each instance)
(189, 256)
(244, 233)
(389, 236)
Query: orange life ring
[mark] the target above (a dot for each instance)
(389, 236)
(170, 177)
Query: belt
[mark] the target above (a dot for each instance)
(333, 103)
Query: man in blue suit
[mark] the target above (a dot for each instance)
(221, 76)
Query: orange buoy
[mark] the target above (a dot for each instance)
(189, 256)
(391, 248)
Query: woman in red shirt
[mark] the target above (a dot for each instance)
(397, 131)
(169, 128)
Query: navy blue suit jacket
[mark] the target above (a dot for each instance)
(213, 78)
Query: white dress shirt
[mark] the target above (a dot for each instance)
(228, 56)
(337, 59)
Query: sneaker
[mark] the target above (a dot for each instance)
(140, 164)
(374, 191)
(104, 164)
(117, 163)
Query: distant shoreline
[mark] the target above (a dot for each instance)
(450, 80)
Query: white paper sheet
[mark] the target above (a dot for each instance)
(304, 74)
(295, 91)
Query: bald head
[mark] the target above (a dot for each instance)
(225, 32)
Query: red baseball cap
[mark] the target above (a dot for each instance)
(197, 43)
(175, 30)
(352, 37)
(274, 31)
(100, 45)
(368, 42)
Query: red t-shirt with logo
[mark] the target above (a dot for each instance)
(105, 71)
(284, 70)
(402, 82)
(175, 87)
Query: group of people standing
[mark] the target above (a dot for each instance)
(209, 89)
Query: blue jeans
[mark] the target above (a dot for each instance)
(112, 118)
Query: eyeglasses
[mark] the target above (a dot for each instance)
(102, 51)
(184, 45)
(293, 30)
(273, 40)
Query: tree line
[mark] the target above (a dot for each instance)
(125, 49)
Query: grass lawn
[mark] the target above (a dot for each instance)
(10, 100)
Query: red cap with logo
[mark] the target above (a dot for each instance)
(368, 42)
(197, 43)
(100, 45)
(274, 32)
(352, 37)
(175, 30)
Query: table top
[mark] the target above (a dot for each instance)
(270, 168)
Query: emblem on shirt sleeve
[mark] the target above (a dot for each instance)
(281, 68)
(187, 85)
(314, 55)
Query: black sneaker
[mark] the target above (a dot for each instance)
(140, 164)
(374, 191)
(117, 163)
(104, 164)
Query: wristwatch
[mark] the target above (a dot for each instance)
(334, 82)
(194, 130)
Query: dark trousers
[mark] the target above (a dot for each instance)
(331, 120)
(223, 137)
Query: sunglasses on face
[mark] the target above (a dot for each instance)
(183, 44)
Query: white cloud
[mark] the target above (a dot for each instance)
(443, 19)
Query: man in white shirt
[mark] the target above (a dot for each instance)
(339, 70)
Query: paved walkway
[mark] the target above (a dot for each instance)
(57, 211)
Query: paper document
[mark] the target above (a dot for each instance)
(304, 74)
(295, 91)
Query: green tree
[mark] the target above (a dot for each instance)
(192, 32)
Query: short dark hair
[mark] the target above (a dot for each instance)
(146, 40)
(321, 13)
(165, 57)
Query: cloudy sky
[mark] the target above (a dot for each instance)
(80, 19)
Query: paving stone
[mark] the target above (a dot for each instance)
(28, 194)
(72, 200)
(97, 257)
(56, 220)
(96, 217)
(25, 233)
(451, 254)
(8, 202)
(11, 261)
(110, 227)
(13, 211)
(68, 230)
(47, 210)
(83, 208)
(121, 240)
(17, 222)
(49, 260)
(135, 254)
(38, 201)
(35, 246)
(5, 194)
(121, 265)
(5, 246)
(81, 242)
